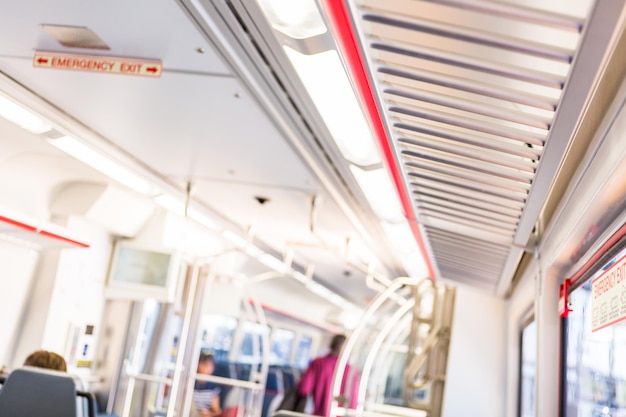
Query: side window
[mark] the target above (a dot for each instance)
(252, 343)
(303, 352)
(282, 345)
(217, 335)
(528, 369)
(595, 375)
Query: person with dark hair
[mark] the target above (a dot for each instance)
(47, 360)
(206, 394)
(317, 379)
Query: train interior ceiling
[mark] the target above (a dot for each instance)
(299, 156)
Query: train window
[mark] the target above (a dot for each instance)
(217, 335)
(595, 375)
(252, 344)
(528, 369)
(303, 352)
(282, 345)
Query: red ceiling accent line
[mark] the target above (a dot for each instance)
(18, 224)
(339, 20)
(63, 239)
(296, 318)
(33, 229)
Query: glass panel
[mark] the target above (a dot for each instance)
(217, 335)
(528, 370)
(595, 375)
(395, 379)
(252, 345)
(303, 353)
(282, 343)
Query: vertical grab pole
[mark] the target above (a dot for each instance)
(184, 337)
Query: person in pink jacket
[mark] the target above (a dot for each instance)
(317, 379)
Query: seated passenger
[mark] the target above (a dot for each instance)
(47, 360)
(53, 361)
(206, 395)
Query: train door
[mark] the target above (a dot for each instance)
(157, 375)
(594, 340)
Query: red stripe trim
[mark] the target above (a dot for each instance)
(599, 253)
(42, 232)
(339, 21)
(64, 239)
(296, 318)
(18, 224)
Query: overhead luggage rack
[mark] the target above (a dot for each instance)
(476, 102)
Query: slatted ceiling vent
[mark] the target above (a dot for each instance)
(469, 92)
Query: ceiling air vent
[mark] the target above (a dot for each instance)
(75, 37)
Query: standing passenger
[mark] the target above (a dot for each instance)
(317, 379)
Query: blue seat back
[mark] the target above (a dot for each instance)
(31, 392)
(226, 370)
(274, 391)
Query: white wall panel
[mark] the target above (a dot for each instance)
(18, 263)
(476, 365)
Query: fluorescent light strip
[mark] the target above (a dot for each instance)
(103, 164)
(22, 117)
(326, 81)
(380, 193)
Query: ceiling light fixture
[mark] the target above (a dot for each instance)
(380, 193)
(105, 165)
(324, 77)
(22, 117)
(296, 18)
(326, 82)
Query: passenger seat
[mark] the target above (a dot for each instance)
(28, 392)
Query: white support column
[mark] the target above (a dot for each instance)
(548, 340)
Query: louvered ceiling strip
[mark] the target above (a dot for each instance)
(465, 168)
(471, 152)
(469, 91)
(470, 223)
(475, 251)
(522, 150)
(505, 10)
(470, 269)
(442, 198)
(449, 62)
(599, 35)
(480, 192)
(438, 115)
(468, 245)
(469, 124)
(461, 229)
(472, 37)
(427, 202)
(471, 218)
(486, 267)
(412, 99)
(484, 260)
(463, 275)
(413, 78)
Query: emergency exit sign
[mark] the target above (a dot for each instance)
(608, 292)
(103, 64)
